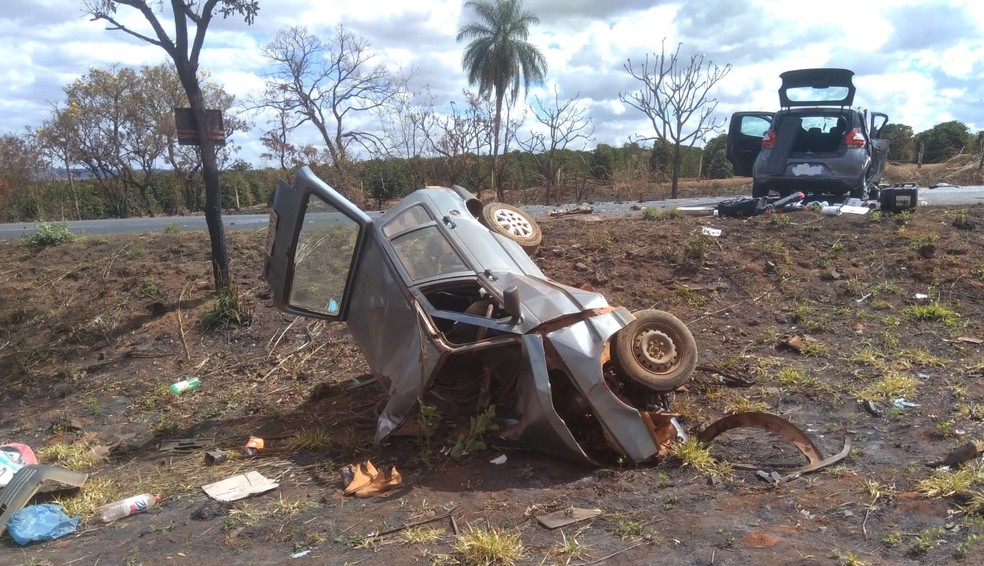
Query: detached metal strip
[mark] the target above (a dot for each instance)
(783, 428)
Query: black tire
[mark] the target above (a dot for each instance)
(512, 223)
(759, 191)
(860, 192)
(656, 350)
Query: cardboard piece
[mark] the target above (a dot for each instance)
(239, 487)
(567, 516)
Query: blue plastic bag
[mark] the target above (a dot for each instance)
(34, 523)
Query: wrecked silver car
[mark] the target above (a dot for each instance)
(449, 310)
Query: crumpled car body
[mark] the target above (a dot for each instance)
(452, 313)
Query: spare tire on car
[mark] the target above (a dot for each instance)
(512, 223)
(656, 350)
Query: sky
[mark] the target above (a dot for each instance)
(920, 62)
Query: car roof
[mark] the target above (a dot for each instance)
(816, 87)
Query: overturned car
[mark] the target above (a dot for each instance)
(449, 310)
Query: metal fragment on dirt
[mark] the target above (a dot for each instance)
(780, 427)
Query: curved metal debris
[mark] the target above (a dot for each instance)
(781, 427)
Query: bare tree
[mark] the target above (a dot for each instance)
(462, 136)
(565, 123)
(329, 85)
(674, 96)
(185, 48)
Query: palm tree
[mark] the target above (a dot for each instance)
(500, 60)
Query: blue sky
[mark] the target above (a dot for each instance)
(920, 62)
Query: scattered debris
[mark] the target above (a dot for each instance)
(254, 445)
(849, 209)
(36, 523)
(301, 554)
(27, 481)
(186, 385)
(498, 460)
(566, 517)
(239, 487)
(961, 454)
(213, 457)
(186, 444)
(126, 507)
(795, 342)
(970, 340)
(708, 231)
(943, 184)
(772, 477)
(697, 210)
(13, 457)
(580, 209)
(780, 427)
(871, 408)
(363, 479)
(901, 403)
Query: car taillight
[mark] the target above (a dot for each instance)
(769, 140)
(854, 138)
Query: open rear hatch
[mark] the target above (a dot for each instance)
(817, 87)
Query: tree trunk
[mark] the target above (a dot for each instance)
(676, 170)
(210, 174)
(496, 178)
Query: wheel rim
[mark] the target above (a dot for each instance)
(513, 222)
(655, 350)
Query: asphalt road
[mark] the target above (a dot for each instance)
(939, 196)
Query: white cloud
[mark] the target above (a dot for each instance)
(919, 61)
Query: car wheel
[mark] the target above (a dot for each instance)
(514, 224)
(759, 191)
(656, 350)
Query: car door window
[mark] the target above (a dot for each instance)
(326, 247)
(426, 252)
(754, 126)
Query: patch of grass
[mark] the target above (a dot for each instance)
(931, 312)
(809, 318)
(599, 242)
(482, 547)
(944, 482)
(474, 441)
(890, 386)
(314, 438)
(886, 288)
(421, 534)
(149, 287)
(172, 229)
(84, 503)
(695, 249)
(738, 403)
(944, 428)
(925, 541)
(77, 456)
(892, 539)
(51, 234)
(570, 548)
(650, 214)
(814, 349)
(627, 528)
(794, 378)
(847, 558)
(696, 455)
(227, 309)
(978, 270)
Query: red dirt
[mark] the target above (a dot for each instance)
(92, 333)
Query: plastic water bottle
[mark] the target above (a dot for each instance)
(186, 385)
(126, 507)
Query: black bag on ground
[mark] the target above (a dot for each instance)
(742, 207)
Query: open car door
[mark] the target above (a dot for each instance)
(879, 146)
(745, 135)
(314, 243)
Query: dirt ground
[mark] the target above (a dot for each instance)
(94, 331)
